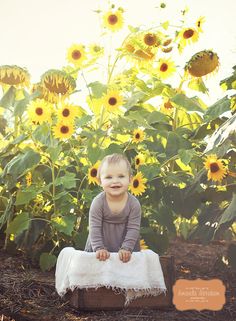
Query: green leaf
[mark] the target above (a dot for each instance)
(217, 109)
(19, 164)
(20, 106)
(198, 85)
(84, 120)
(42, 134)
(47, 261)
(54, 152)
(174, 143)
(19, 224)
(24, 197)
(190, 104)
(222, 134)
(186, 155)
(98, 89)
(157, 117)
(150, 172)
(94, 154)
(7, 100)
(139, 117)
(133, 29)
(229, 215)
(68, 180)
(184, 229)
(64, 224)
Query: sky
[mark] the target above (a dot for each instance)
(36, 34)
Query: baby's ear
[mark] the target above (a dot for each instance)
(130, 178)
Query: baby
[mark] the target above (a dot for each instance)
(115, 214)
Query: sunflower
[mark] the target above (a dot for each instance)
(216, 168)
(165, 68)
(113, 20)
(143, 245)
(151, 40)
(139, 160)
(202, 63)
(137, 186)
(113, 100)
(138, 135)
(96, 50)
(14, 76)
(28, 179)
(233, 103)
(144, 56)
(76, 55)
(62, 130)
(56, 83)
(167, 107)
(199, 23)
(40, 111)
(92, 174)
(187, 36)
(67, 113)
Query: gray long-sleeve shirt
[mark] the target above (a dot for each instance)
(113, 231)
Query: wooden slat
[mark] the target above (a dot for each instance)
(107, 299)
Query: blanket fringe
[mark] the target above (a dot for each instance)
(130, 294)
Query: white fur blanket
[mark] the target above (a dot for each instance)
(141, 276)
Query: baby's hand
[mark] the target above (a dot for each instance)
(124, 255)
(102, 255)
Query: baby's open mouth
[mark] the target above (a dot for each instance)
(115, 187)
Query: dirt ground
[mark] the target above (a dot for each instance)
(28, 294)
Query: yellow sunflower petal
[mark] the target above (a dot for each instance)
(56, 84)
(113, 101)
(76, 54)
(137, 185)
(92, 174)
(63, 131)
(165, 68)
(14, 76)
(40, 111)
(139, 160)
(216, 169)
(138, 135)
(113, 20)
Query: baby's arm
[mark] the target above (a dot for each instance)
(95, 231)
(132, 234)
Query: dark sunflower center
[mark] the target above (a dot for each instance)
(76, 54)
(64, 129)
(214, 167)
(135, 183)
(112, 101)
(112, 19)
(66, 112)
(150, 39)
(137, 136)
(39, 111)
(163, 67)
(168, 105)
(93, 172)
(137, 161)
(188, 33)
(56, 86)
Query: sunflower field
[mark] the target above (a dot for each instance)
(182, 151)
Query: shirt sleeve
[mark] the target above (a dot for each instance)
(95, 225)
(133, 227)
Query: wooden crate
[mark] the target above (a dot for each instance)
(107, 299)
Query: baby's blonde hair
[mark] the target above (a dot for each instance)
(114, 159)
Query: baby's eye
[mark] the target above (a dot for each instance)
(121, 176)
(108, 177)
